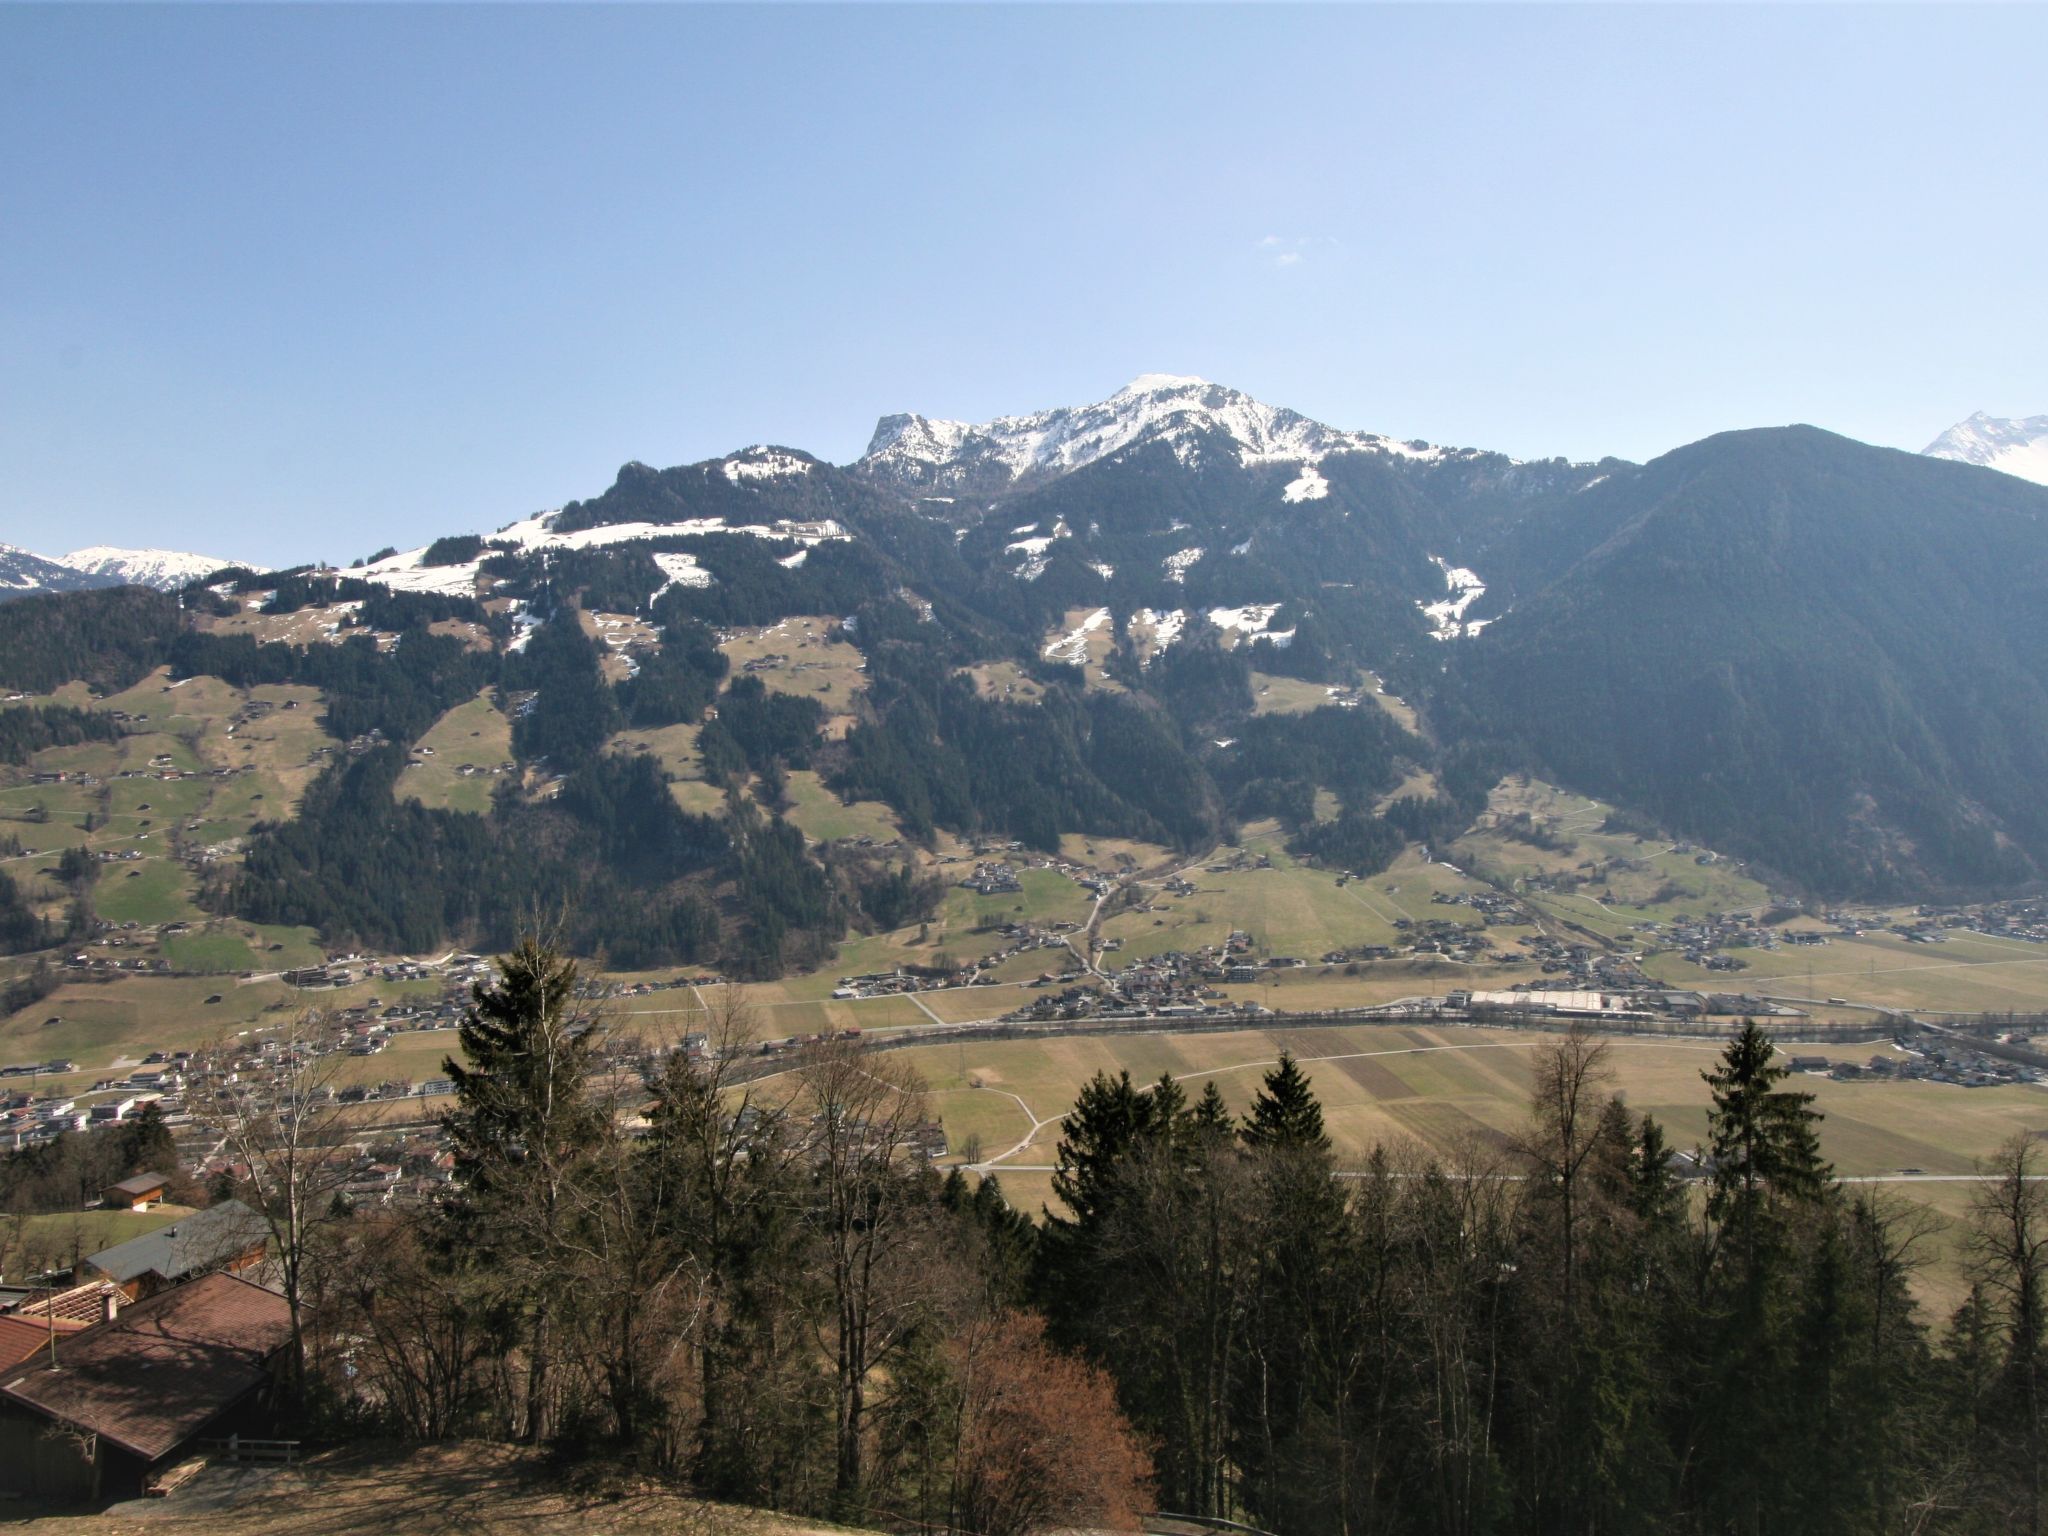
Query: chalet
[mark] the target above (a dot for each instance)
(130, 1397)
(141, 1193)
(228, 1236)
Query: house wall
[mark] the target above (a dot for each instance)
(38, 1458)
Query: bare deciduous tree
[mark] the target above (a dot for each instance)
(862, 1113)
(285, 1124)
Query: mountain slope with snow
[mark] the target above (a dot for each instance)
(164, 569)
(919, 452)
(23, 573)
(2014, 445)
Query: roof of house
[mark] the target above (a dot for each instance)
(20, 1337)
(188, 1245)
(80, 1304)
(158, 1373)
(140, 1184)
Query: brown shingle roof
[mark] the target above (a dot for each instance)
(153, 1377)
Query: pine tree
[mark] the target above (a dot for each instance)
(1285, 1113)
(1169, 1107)
(1762, 1137)
(1109, 1117)
(523, 1122)
(1210, 1118)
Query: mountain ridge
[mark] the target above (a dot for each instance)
(928, 453)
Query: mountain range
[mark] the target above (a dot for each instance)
(1826, 657)
(101, 565)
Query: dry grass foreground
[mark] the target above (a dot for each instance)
(384, 1490)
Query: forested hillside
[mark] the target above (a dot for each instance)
(1827, 656)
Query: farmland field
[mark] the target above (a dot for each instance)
(475, 735)
(1582, 869)
(824, 817)
(803, 656)
(1293, 910)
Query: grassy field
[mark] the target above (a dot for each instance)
(1004, 682)
(1291, 909)
(1084, 638)
(801, 656)
(475, 735)
(1286, 695)
(1621, 879)
(60, 1240)
(100, 1023)
(221, 950)
(824, 817)
(1966, 973)
(675, 747)
(1115, 855)
(146, 891)
(622, 635)
(251, 753)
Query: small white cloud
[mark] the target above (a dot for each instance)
(1288, 250)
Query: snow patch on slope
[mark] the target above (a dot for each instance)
(1447, 615)
(1153, 630)
(763, 463)
(406, 572)
(1176, 565)
(1309, 485)
(1071, 649)
(682, 571)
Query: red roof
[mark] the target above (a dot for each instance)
(20, 1338)
(154, 1377)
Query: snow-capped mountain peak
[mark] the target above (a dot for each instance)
(23, 572)
(1179, 409)
(2015, 445)
(165, 569)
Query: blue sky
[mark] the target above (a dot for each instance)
(292, 283)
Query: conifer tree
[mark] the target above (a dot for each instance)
(1763, 1138)
(1109, 1116)
(1285, 1113)
(1210, 1118)
(522, 1123)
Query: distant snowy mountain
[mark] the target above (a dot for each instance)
(165, 569)
(23, 573)
(2016, 445)
(919, 452)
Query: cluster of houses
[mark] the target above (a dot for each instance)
(1570, 964)
(995, 878)
(1494, 909)
(1176, 984)
(114, 1378)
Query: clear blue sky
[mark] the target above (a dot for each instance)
(292, 283)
